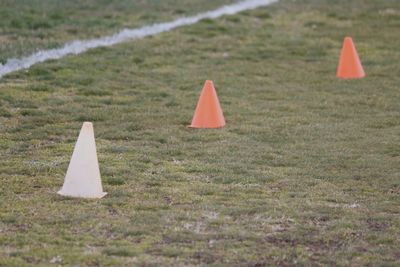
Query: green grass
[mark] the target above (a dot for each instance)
(29, 25)
(306, 172)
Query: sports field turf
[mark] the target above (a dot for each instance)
(26, 25)
(306, 172)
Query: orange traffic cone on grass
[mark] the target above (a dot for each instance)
(349, 64)
(208, 112)
(83, 174)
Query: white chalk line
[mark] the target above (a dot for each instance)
(80, 46)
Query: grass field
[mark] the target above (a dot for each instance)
(29, 25)
(305, 173)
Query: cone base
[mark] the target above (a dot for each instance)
(203, 127)
(351, 77)
(100, 195)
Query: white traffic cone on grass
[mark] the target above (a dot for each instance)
(83, 175)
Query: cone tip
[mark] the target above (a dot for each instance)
(87, 126)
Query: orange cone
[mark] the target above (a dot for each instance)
(208, 112)
(349, 64)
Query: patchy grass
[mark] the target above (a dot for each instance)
(305, 173)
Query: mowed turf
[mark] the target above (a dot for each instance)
(29, 25)
(306, 172)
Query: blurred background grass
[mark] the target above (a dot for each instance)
(29, 25)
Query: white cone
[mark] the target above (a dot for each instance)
(83, 175)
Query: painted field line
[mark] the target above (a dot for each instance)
(80, 46)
